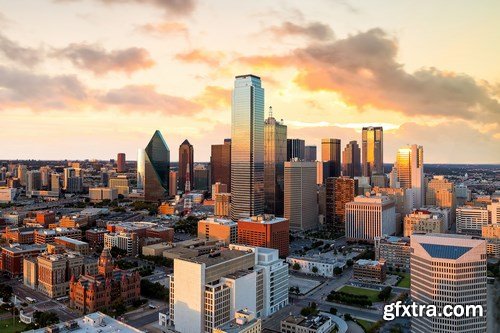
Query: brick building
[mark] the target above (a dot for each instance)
(95, 237)
(370, 270)
(20, 235)
(12, 257)
(265, 231)
(47, 236)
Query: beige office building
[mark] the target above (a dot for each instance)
(471, 219)
(491, 233)
(218, 229)
(222, 205)
(448, 270)
(423, 221)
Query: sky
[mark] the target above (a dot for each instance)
(84, 79)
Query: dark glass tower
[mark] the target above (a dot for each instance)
(351, 160)
(295, 149)
(156, 168)
(186, 166)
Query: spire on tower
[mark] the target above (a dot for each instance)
(270, 111)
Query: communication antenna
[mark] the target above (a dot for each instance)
(270, 112)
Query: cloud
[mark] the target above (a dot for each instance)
(214, 97)
(165, 28)
(146, 98)
(99, 61)
(13, 51)
(314, 30)
(40, 92)
(201, 56)
(179, 7)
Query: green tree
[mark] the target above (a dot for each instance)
(315, 269)
(347, 317)
(384, 294)
(337, 271)
(350, 262)
(333, 311)
(296, 266)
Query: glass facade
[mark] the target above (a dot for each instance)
(351, 160)
(275, 153)
(156, 168)
(186, 162)
(247, 147)
(330, 155)
(373, 150)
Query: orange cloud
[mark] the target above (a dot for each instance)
(214, 97)
(201, 56)
(165, 28)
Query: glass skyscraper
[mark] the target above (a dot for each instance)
(247, 147)
(186, 162)
(373, 150)
(275, 153)
(153, 168)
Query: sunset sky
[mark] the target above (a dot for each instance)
(83, 79)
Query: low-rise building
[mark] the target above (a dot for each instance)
(155, 249)
(315, 265)
(98, 194)
(218, 229)
(310, 324)
(95, 237)
(12, 257)
(244, 322)
(122, 240)
(21, 235)
(394, 250)
(370, 270)
(471, 219)
(47, 236)
(73, 244)
(222, 206)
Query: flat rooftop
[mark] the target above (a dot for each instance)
(71, 240)
(218, 257)
(264, 219)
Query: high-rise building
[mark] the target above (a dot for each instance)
(217, 188)
(98, 194)
(45, 174)
(186, 166)
(275, 154)
(310, 154)
(295, 149)
(301, 204)
(440, 192)
(172, 183)
(247, 147)
(351, 160)
(222, 204)
(410, 170)
(491, 233)
(330, 155)
(265, 231)
(471, 219)
(121, 184)
(330, 202)
(448, 270)
(422, 221)
(34, 181)
(369, 217)
(201, 178)
(372, 150)
(220, 163)
(121, 163)
(22, 174)
(345, 191)
(153, 168)
(68, 173)
(218, 229)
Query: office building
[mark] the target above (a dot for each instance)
(220, 163)
(125, 241)
(172, 183)
(47, 236)
(331, 157)
(315, 265)
(345, 191)
(448, 270)
(12, 257)
(90, 293)
(22, 174)
(462, 194)
(153, 168)
(207, 291)
(310, 153)
(372, 158)
(394, 250)
(423, 221)
(440, 192)
(329, 201)
(121, 184)
(34, 181)
(121, 165)
(222, 206)
(265, 231)
(295, 149)
(321, 323)
(73, 245)
(218, 229)
(7, 195)
(300, 206)
(186, 166)
(410, 171)
(373, 271)
(491, 233)
(471, 219)
(217, 188)
(244, 322)
(275, 155)
(369, 217)
(98, 194)
(55, 182)
(247, 148)
(379, 180)
(494, 212)
(95, 237)
(351, 160)
(201, 178)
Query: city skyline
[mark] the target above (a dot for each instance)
(115, 81)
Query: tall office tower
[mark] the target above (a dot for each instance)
(369, 217)
(74, 185)
(301, 204)
(220, 163)
(440, 192)
(345, 191)
(105, 178)
(141, 167)
(448, 270)
(121, 184)
(68, 173)
(275, 153)
(373, 150)
(471, 219)
(34, 181)
(393, 178)
(217, 188)
(55, 182)
(207, 290)
(22, 174)
(330, 202)
(310, 153)
(201, 178)
(154, 168)
(295, 148)
(266, 231)
(121, 163)
(186, 165)
(172, 183)
(45, 174)
(351, 160)
(247, 147)
(330, 155)
(410, 166)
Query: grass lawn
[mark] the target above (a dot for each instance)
(7, 327)
(371, 293)
(405, 282)
(365, 323)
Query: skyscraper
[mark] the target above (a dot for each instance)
(310, 154)
(330, 155)
(220, 163)
(410, 170)
(172, 183)
(34, 181)
(247, 147)
(373, 150)
(351, 160)
(345, 191)
(275, 152)
(295, 148)
(448, 270)
(156, 168)
(186, 165)
(120, 163)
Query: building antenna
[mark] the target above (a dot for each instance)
(270, 112)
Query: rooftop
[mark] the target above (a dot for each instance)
(264, 219)
(313, 322)
(218, 257)
(365, 262)
(71, 240)
(20, 248)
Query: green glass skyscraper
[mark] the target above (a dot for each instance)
(156, 165)
(247, 147)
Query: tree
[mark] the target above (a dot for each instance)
(315, 269)
(154, 290)
(5, 292)
(385, 294)
(116, 251)
(296, 266)
(350, 262)
(337, 271)
(44, 319)
(333, 311)
(348, 317)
